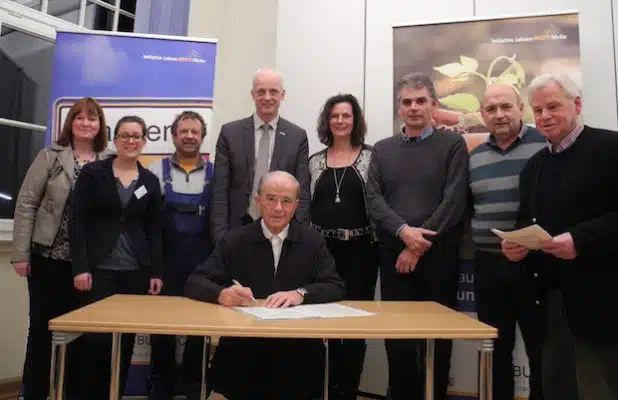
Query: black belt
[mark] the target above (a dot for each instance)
(342, 234)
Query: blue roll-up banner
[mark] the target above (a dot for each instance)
(154, 77)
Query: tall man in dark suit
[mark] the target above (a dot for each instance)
(416, 191)
(250, 147)
(570, 188)
(280, 260)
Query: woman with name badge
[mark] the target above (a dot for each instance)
(115, 244)
(339, 213)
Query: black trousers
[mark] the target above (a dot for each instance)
(357, 265)
(97, 347)
(574, 369)
(503, 298)
(268, 369)
(51, 294)
(434, 279)
(163, 347)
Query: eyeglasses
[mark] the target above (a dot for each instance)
(125, 138)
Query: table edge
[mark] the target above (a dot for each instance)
(283, 332)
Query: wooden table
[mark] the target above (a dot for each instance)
(165, 315)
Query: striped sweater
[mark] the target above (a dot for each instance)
(494, 185)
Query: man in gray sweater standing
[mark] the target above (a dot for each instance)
(417, 192)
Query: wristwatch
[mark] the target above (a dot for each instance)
(302, 291)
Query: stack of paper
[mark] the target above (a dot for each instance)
(308, 311)
(530, 237)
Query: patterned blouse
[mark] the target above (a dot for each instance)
(59, 250)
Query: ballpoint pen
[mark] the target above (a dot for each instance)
(238, 283)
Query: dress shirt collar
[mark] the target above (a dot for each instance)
(257, 122)
(269, 235)
(567, 141)
(424, 135)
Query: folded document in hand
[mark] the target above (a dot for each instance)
(307, 311)
(530, 237)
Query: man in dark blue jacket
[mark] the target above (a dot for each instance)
(285, 262)
(185, 180)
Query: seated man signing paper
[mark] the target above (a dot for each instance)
(284, 262)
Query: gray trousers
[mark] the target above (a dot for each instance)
(575, 370)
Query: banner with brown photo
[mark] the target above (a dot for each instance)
(463, 58)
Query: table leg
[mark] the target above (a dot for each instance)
(114, 383)
(52, 373)
(429, 369)
(60, 341)
(326, 369)
(205, 359)
(485, 370)
(63, 356)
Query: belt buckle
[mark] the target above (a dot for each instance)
(346, 234)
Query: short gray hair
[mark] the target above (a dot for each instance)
(278, 174)
(566, 83)
(416, 80)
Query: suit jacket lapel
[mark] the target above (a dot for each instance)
(138, 184)
(262, 249)
(249, 142)
(279, 146)
(109, 182)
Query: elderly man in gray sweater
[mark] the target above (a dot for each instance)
(417, 191)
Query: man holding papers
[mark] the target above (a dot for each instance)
(570, 189)
(280, 260)
(500, 286)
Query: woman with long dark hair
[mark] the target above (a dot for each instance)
(339, 213)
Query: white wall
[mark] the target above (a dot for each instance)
(14, 317)
(247, 33)
(320, 51)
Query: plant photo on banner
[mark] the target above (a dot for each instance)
(464, 58)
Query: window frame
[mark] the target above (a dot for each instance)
(43, 26)
(116, 8)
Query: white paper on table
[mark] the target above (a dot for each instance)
(530, 237)
(307, 311)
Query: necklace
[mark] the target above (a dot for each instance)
(338, 183)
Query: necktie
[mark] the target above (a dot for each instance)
(261, 167)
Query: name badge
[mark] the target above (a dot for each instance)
(140, 192)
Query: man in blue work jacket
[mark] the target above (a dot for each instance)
(185, 181)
